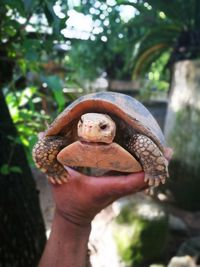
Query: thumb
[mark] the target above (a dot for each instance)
(118, 186)
(115, 186)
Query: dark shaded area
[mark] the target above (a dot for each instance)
(184, 185)
(22, 233)
(187, 46)
(158, 109)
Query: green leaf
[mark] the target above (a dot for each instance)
(31, 50)
(52, 19)
(55, 85)
(173, 10)
(152, 45)
(139, 6)
(5, 169)
(28, 5)
(14, 139)
(148, 56)
(31, 55)
(16, 5)
(15, 169)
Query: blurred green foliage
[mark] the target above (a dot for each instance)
(32, 85)
(176, 29)
(112, 45)
(146, 44)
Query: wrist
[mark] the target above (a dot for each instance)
(67, 245)
(71, 222)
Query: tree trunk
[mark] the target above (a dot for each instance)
(182, 130)
(22, 232)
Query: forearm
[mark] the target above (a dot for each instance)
(67, 245)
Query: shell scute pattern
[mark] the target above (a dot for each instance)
(133, 110)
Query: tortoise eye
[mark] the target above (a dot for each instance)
(103, 126)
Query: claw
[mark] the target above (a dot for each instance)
(163, 180)
(151, 191)
(151, 181)
(51, 179)
(58, 181)
(157, 182)
(147, 191)
(64, 179)
(154, 181)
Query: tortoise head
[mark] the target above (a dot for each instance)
(96, 127)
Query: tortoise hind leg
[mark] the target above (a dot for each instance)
(152, 159)
(45, 158)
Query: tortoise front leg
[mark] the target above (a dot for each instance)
(151, 158)
(45, 158)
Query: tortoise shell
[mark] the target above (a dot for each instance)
(119, 105)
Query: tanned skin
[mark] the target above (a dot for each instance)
(77, 203)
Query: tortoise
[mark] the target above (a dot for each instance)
(104, 130)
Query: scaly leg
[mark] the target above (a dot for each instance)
(151, 158)
(45, 158)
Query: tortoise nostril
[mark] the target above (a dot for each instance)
(103, 126)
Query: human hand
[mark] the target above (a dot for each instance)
(82, 197)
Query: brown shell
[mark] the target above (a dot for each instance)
(125, 107)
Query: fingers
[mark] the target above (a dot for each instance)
(112, 185)
(123, 185)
